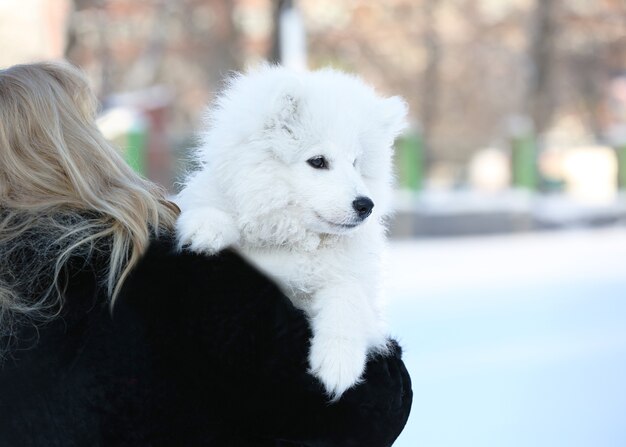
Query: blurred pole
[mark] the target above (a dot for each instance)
(523, 153)
(410, 161)
(289, 43)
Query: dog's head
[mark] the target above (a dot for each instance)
(308, 150)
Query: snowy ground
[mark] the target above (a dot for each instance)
(513, 340)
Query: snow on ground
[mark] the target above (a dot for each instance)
(515, 340)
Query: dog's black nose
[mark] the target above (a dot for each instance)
(363, 206)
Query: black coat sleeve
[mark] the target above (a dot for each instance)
(235, 350)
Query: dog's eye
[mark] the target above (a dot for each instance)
(318, 162)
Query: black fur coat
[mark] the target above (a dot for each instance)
(199, 351)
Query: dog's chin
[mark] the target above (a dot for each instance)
(327, 226)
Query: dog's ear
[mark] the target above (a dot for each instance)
(285, 113)
(393, 112)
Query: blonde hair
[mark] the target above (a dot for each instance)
(63, 191)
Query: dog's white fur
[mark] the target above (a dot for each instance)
(256, 192)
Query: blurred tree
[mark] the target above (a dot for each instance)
(278, 6)
(464, 66)
(187, 45)
(543, 36)
(430, 78)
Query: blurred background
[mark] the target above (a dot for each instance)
(506, 270)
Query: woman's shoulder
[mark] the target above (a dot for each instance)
(182, 275)
(164, 259)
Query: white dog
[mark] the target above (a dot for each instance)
(296, 175)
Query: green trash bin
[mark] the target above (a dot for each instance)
(136, 144)
(524, 161)
(127, 129)
(621, 166)
(410, 161)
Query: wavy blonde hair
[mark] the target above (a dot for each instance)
(63, 190)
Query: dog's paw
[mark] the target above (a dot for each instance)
(337, 362)
(383, 347)
(206, 230)
(378, 339)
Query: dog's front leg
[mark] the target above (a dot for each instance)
(206, 229)
(340, 317)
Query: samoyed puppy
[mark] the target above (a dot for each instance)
(295, 174)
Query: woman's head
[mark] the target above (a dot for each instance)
(55, 161)
(52, 152)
